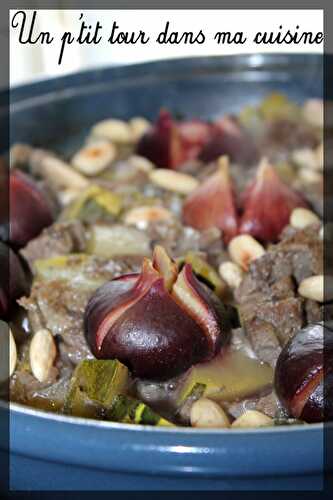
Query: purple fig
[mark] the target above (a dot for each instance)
(268, 203)
(13, 279)
(30, 210)
(304, 374)
(227, 137)
(213, 204)
(159, 323)
(170, 144)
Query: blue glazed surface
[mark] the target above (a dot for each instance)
(185, 459)
(54, 452)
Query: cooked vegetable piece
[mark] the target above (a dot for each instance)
(186, 400)
(73, 268)
(227, 377)
(131, 411)
(250, 118)
(93, 386)
(276, 106)
(94, 204)
(111, 241)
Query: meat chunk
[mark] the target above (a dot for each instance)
(314, 311)
(61, 238)
(59, 305)
(263, 339)
(305, 249)
(178, 239)
(270, 308)
(269, 405)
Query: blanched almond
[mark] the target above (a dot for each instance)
(42, 353)
(12, 353)
(302, 217)
(252, 419)
(313, 288)
(60, 174)
(117, 131)
(142, 216)
(93, 159)
(313, 112)
(173, 181)
(243, 249)
(141, 163)
(44, 164)
(207, 413)
(139, 127)
(306, 158)
(231, 273)
(309, 176)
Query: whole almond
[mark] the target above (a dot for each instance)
(12, 353)
(139, 126)
(141, 163)
(42, 354)
(207, 413)
(309, 176)
(93, 159)
(117, 131)
(313, 288)
(62, 175)
(313, 112)
(173, 181)
(306, 158)
(231, 273)
(252, 419)
(302, 217)
(243, 249)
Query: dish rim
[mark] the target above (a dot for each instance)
(209, 64)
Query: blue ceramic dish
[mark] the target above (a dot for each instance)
(58, 452)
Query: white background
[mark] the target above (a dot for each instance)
(37, 61)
